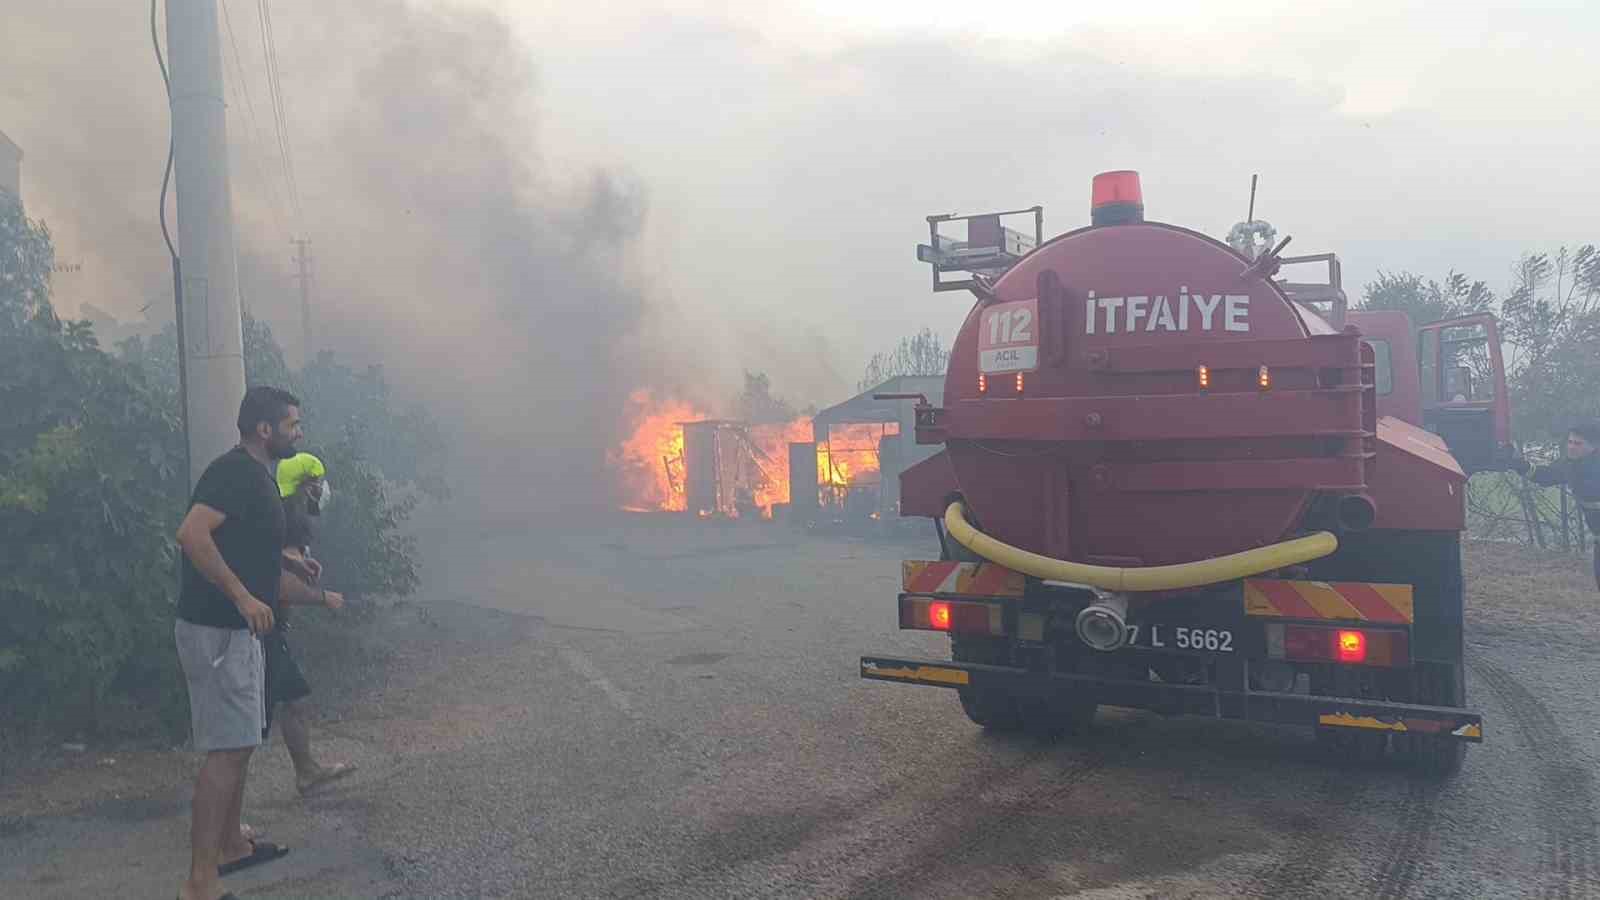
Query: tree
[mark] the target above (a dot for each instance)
(91, 483)
(1551, 321)
(26, 258)
(1427, 300)
(758, 406)
(919, 354)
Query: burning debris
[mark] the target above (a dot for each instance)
(680, 458)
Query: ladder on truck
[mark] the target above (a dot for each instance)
(1318, 294)
(985, 252)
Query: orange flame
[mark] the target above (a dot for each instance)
(649, 464)
(650, 470)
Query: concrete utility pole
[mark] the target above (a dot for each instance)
(302, 260)
(213, 341)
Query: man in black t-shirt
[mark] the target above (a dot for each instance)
(232, 541)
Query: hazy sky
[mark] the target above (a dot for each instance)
(791, 154)
(784, 156)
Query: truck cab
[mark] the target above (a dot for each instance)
(1447, 376)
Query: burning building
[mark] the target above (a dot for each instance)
(860, 447)
(679, 458)
(840, 466)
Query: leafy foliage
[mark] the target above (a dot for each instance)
(92, 487)
(920, 354)
(90, 477)
(758, 405)
(26, 258)
(1426, 300)
(1551, 321)
(405, 446)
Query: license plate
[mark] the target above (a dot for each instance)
(1187, 639)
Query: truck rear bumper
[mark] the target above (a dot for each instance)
(1183, 699)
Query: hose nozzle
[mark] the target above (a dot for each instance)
(1103, 624)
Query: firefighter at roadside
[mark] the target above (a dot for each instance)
(1580, 471)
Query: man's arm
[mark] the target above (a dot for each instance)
(1553, 474)
(296, 591)
(301, 565)
(196, 540)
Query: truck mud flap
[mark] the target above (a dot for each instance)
(1185, 699)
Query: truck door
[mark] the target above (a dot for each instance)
(1463, 384)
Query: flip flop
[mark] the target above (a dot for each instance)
(260, 852)
(331, 774)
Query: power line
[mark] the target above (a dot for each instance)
(279, 208)
(269, 49)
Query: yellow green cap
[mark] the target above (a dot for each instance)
(293, 471)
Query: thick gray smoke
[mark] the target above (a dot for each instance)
(498, 291)
(501, 292)
(525, 295)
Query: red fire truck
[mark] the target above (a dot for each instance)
(1173, 479)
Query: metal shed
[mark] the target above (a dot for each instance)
(893, 447)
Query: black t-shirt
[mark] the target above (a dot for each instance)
(250, 539)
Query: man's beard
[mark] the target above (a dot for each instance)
(280, 449)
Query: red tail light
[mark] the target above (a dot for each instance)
(955, 616)
(1321, 643)
(1352, 647)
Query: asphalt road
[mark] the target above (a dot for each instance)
(646, 710)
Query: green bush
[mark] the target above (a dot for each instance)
(89, 495)
(92, 487)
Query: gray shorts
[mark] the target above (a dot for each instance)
(227, 679)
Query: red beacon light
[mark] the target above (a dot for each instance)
(1116, 199)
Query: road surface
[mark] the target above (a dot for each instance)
(654, 710)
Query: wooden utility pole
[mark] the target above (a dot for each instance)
(212, 354)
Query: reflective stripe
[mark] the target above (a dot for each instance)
(1351, 601)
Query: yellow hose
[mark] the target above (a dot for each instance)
(1150, 578)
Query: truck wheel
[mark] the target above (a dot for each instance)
(990, 709)
(1436, 684)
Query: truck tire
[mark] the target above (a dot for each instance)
(990, 709)
(1435, 684)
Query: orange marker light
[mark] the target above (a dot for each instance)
(1202, 374)
(939, 616)
(1019, 382)
(1352, 646)
(983, 383)
(1264, 379)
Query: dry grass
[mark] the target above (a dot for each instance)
(1512, 586)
